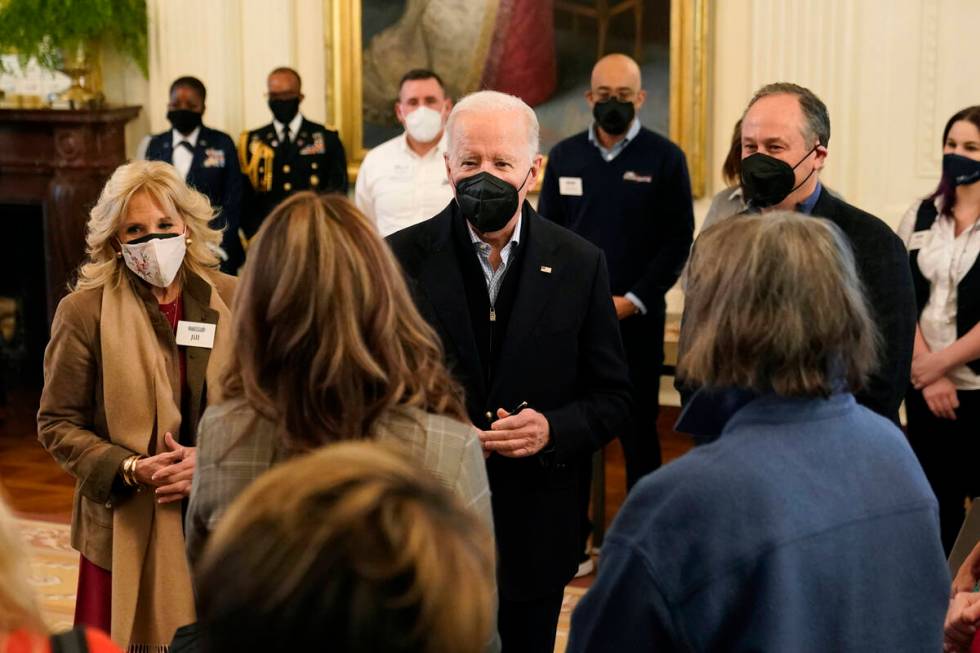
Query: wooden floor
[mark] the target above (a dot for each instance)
(672, 444)
(31, 481)
(36, 487)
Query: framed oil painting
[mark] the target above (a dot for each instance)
(539, 50)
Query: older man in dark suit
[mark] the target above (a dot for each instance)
(524, 310)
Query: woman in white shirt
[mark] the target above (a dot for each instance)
(943, 405)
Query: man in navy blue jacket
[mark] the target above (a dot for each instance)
(208, 161)
(626, 189)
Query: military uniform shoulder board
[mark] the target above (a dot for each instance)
(256, 160)
(243, 149)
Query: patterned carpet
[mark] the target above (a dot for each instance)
(54, 567)
(54, 570)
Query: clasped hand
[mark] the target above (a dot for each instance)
(516, 436)
(961, 622)
(170, 472)
(927, 368)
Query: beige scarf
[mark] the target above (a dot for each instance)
(151, 583)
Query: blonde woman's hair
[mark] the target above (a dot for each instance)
(353, 549)
(327, 335)
(774, 304)
(18, 605)
(164, 185)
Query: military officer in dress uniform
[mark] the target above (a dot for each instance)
(207, 161)
(287, 155)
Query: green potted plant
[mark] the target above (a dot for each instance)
(66, 35)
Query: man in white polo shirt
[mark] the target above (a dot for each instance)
(403, 181)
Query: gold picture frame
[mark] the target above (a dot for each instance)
(689, 56)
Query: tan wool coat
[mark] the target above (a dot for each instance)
(73, 426)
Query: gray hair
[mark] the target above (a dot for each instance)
(814, 110)
(493, 102)
(774, 304)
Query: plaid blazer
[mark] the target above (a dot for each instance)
(236, 445)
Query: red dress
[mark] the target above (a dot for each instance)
(24, 641)
(93, 600)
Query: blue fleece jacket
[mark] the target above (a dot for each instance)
(807, 526)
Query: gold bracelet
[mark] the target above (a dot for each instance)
(129, 471)
(132, 470)
(127, 479)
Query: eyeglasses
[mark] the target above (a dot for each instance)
(623, 95)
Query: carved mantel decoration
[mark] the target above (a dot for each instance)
(60, 160)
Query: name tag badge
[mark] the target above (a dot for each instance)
(401, 173)
(195, 334)
(570, 186)
(919, 239)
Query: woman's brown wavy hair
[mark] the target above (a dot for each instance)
(327, 336)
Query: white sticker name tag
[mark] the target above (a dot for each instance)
(400, 172)
(919, 239)
(570, 186)
(195, 334)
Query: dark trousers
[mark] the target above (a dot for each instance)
(643, 340)
(529, 626)
(949, 451)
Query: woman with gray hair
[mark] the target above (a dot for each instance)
(135, 355)
(792, 524)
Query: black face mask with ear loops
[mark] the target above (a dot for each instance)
(184, 120)
(284, 110)
(614, 116)
(488, 202)
(767, 181)
(960, 170)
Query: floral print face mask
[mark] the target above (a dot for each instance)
(156, 258)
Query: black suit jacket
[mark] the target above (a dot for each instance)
(314, 160)
(562, 354)
(214, 171)
(883, 266)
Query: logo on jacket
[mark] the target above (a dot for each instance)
(629, 175)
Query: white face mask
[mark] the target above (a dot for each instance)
(424, 124)
(157, 260)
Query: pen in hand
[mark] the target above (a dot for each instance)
(518, 408)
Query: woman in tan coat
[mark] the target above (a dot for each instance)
(135, 356)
